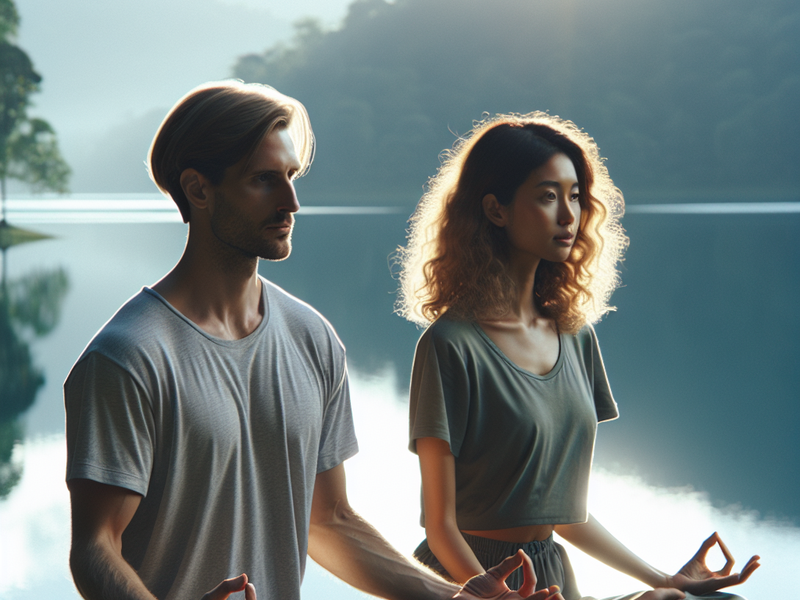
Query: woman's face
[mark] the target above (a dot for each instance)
(542, 219)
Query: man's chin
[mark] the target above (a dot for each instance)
(276, 254)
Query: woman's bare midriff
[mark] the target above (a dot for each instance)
(516, 535)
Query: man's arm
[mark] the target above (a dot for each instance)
(350, 548)
(100, 513)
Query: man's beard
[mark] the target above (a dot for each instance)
(244, 236)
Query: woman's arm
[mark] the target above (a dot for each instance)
(694, 577)
(437, 466)
(596, 541)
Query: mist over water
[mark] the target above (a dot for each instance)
(664, 525)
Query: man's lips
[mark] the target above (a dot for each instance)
(282, 224)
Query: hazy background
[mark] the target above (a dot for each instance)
(687, 99)
(690, 101)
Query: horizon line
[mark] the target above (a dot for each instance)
(139, 208)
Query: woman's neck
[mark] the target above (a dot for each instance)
(523, 274)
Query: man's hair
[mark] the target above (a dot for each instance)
(456, 259)
(218, 124)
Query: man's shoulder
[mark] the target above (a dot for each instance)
(137, 323)
(295, 312)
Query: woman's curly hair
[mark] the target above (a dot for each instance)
(456, 259)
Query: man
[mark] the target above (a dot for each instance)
(208, 421)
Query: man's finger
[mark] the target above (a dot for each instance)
(551, 593)
(228, 587)
(528, 576)
(508, 566)
(250, 592)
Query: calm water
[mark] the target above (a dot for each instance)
(702, 356)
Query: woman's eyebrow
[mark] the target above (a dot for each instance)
(553, 183)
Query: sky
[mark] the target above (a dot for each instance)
(106, 63)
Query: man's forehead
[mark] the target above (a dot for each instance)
(275, 151)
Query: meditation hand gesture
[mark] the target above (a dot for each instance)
(695, 577)
(492, 584)
(231, 586)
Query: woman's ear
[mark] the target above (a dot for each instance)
(196, 187)
(493, 210)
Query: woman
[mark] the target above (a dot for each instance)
(512, 255)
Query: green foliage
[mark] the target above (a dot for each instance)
(28, 148)
(19, 81)
(35, 158)
(282, 59)
(682, 95)
(10, 471)
(9, 19)
(29, 306)
(34, 300)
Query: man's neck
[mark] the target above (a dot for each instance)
(221, 294)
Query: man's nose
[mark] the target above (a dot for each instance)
(289, 201)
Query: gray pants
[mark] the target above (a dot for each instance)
(550, 563)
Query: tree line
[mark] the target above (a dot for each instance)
(686, 99)
(28, 146)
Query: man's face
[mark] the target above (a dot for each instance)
(252, 209)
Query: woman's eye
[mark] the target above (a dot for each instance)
(576, 197)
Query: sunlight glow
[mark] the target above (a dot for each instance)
(715, 208)
(128, 208)
(664, 526)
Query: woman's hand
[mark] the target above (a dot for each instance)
(695, 577)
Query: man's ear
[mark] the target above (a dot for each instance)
(493, 210)
(196, 187)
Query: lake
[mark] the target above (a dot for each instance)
(702, 356)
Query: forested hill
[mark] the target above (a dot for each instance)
(687, 99)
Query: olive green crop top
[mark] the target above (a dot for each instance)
(523, 443)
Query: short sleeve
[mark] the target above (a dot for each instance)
(110, 427)
(338, 438)
(605, 405)
(439, 393)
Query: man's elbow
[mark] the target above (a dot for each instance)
(80, 564)
(336, 513)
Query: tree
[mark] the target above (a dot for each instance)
(28, 147)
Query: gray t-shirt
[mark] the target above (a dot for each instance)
(523, 443)
(222, 438)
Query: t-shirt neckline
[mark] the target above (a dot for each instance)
(549, 375)
(246, 340)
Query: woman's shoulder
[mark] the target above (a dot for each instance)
(451, 330)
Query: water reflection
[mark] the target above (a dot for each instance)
(30, 307)
(702, 355)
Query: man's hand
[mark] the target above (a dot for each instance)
(695, 577)
(231, 586)
(492, 584)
